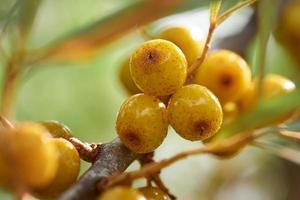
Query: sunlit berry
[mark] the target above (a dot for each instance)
(57, 129)
(154, 193)
(142, 123)
(124, 193)
(183, 38)
(226, 74)
(33, 153)
(195, 113)
(67, 171)
(158, 67)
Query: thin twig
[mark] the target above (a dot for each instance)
(87, 152)
(232, 144)
(231, 10)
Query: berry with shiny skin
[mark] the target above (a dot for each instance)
(183, 38)
(33, 153)
(154, 193)
(56, 129)
(124, 193)
(67, 172)
(288, 29)
(142, 123)
(158, 67)
(274, 84)
(126, 80)
(195, 112)
(226, 74)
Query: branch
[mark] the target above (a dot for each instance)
(113, 157)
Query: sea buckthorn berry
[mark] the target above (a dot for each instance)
(154, 193)
(67, 171)
(124, 193)
(248, 98)
(288, 30)
(158, 67)
(183, 38)
(195, 113)
(57, 129)
(230, 112)
(33, 153)
(126, 80)
(274, 85)
(226, 74)
(142, 123)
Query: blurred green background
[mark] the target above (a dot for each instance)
(86, 95)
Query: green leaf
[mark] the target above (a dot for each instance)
(267, 13)
(26, 14)
(214, 10)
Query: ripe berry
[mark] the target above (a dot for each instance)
(226, 74)
(126, 80)
(248, 98)
(57, 129)
(158, 67)
(124, 193)
(288, 30)
(153, 193)
(33, 154)
(274, 85)
(67, 172)
(142, 123)
(195, 113)
(183, 38)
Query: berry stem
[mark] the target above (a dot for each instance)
(87, 152)
(215, 21)
(233, 143)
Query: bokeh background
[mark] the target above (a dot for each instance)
(85, 94)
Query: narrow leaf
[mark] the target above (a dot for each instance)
(231, 10)
(214, 10)
(284, 152)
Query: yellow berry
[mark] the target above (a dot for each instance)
(142, 123)
(158, 67)
(126, 80)
(154, 193)
(248, 99)
(288, 30)
(33, 154)
(274, 85)
(226, 74)
(183, 38)
(230, 112)
(195, 113)
(124, 193)
(67, 171)
(56, 129)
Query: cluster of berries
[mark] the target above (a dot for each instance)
(34, 159)
(156, 75)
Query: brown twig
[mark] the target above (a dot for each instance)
(233, 144)
(114, 157)
(148, 159)
(207, 45)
